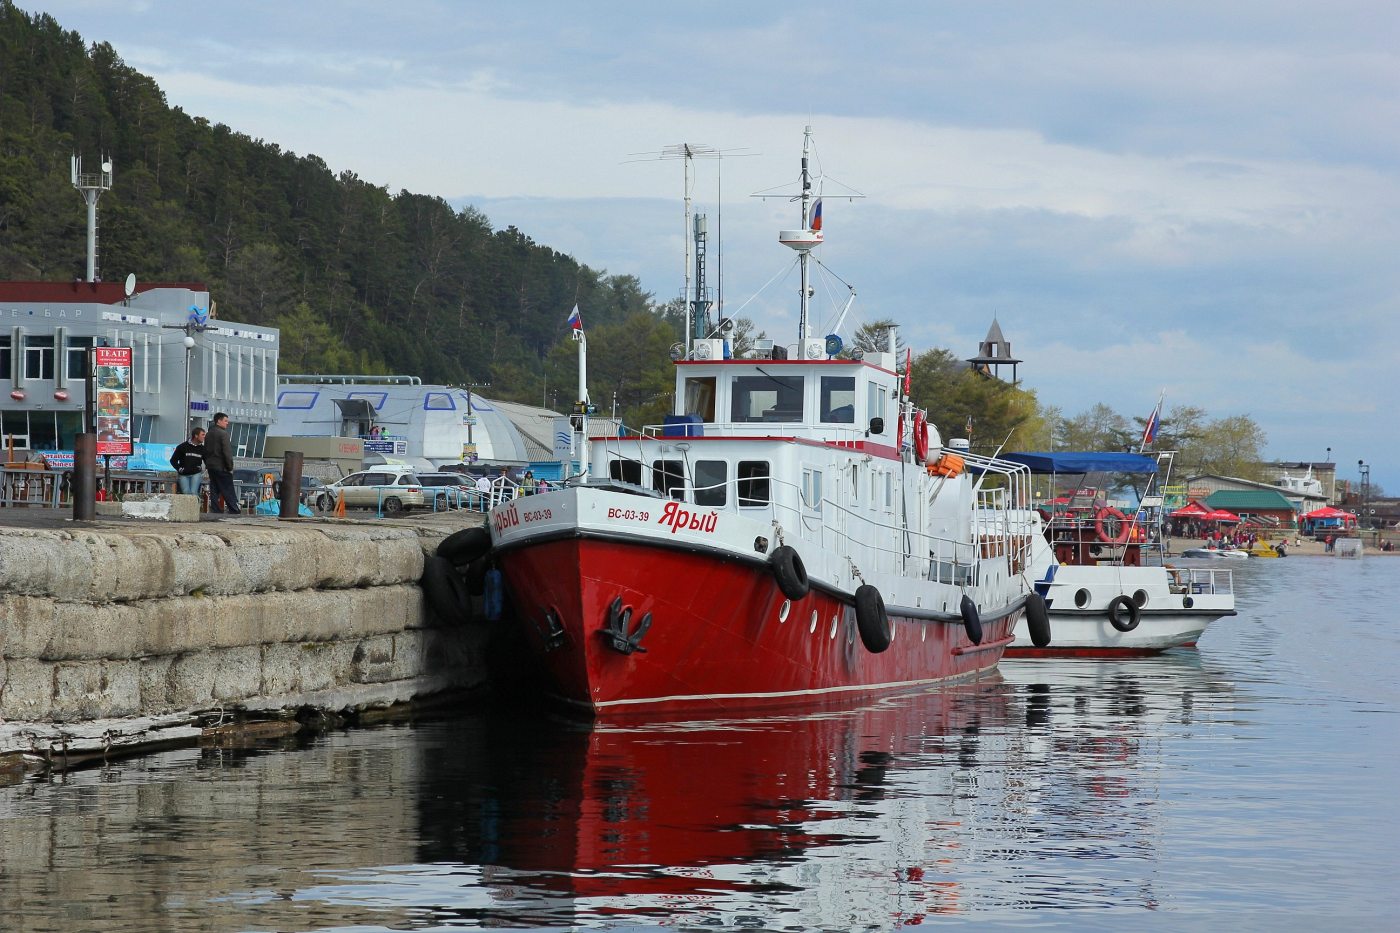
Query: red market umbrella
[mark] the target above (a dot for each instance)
(1192, 509)
(1328, 511)
(1221, 515)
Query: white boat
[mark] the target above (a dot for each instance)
(1103, 574)
(1215, 553)
(792, 535)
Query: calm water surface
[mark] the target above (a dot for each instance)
(1253, 781)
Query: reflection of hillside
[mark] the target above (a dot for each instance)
(205, 839)
(645, 821)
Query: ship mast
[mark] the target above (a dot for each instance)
(805, 239)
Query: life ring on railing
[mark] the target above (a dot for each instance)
(790, 572)
(1123, 613)
(920, 437)
(948, 465)
(1112, 526)
(871, 619)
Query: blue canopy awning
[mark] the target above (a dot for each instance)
(1069, 461)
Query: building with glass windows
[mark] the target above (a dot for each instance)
(47, 329)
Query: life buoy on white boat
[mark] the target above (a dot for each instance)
(790, 572)
(972, 620)
(920, 437)
(445, 590)
(1112, 526)
(1123, 613)
(1038, 620)
(871, 619)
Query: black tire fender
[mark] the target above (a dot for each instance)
(476, 575)
(790, 572)
(972, 620)
(445, 590)
(1123, 614)
(871, 619)
(1038, 620)
(463, 547)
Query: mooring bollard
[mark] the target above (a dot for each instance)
(85, 477)
(291, 484)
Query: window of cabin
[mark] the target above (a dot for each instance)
(753, 482)
(5, 371)
(711, 478)
(889, 490)
(627, 471)
(668, 478)
(700, 397)
(78, 349)
(767, 398)
(812, 489)
(855, 484)
(838, 403)
(878, 397)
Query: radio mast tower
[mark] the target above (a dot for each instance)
(91, 186)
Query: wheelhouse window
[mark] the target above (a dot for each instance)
(878, 396)
(626, 471)
(5, 371)
(754, 482)
(767, 398)
(838, 403)
(711, 478)
(668, 478)
(38, 356)
(700, 397)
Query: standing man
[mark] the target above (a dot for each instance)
(218, 457)
(188, 461)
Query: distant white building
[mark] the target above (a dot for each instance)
(398, 417)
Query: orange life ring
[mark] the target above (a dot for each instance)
(1106, 531)
(920, 437)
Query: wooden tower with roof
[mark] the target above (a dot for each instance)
(994, 353)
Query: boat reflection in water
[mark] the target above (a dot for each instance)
(946, 802)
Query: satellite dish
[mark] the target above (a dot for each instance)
(130, 286)
(107, 167)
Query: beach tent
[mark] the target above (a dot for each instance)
(1192, 509)
(1221, 515)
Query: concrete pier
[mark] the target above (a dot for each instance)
(122, 633)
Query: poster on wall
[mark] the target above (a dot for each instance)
(112, 376)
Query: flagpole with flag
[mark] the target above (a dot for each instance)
(1154, 421)
(581, 406)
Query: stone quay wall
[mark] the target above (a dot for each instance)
(127, 633)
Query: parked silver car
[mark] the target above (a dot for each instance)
(393, 491)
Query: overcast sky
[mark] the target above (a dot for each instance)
(1196, 197)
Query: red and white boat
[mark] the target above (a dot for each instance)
(793, 535)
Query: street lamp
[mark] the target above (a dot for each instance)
(1365, 470)
(471, 418)
(189, 346)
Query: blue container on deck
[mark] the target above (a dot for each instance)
(682, 426)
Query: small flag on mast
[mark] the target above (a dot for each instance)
(575, 320)
(816, 221)
(1154, 421)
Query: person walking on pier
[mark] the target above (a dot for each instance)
(188, 461)
(218, 458)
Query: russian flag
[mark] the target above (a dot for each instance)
(816, 221)
(1154, 421)
(575, 320)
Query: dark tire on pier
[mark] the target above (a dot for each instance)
(972, 620)
(1038, 620)
(476, 575)
(445, 591)
(463, 547)
(1123, 614)
(790, 572)
(872, 620)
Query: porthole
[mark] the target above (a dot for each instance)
(784, 609)
(833, 628)
(1081, 598)
(813, 627)
(1140, 597)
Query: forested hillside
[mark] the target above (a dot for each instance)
(357, 278)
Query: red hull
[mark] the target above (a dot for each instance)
(1029, 651)
(717, 639)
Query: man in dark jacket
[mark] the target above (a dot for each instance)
(218, 459)
(188, 461)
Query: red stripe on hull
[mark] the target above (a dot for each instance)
(716, 641)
